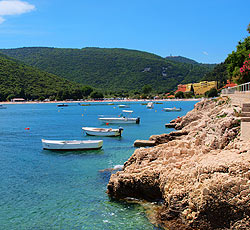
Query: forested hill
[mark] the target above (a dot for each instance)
(182, 59)
(111, 69)
(20, 80)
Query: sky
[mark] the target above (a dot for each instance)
(206, 31)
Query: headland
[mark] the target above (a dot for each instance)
(201, 175)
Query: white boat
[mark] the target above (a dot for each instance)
(172, 109)
(123, 106)
(126, 119)
(72, 145)
(3, 107)
(150, 105)
(105, 132)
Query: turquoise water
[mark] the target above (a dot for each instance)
(43, 189)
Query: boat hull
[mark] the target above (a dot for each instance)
(103, 132)
(172, 109)
(120, 120)
(3, 107)
(71, 145)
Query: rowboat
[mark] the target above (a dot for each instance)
(71, 145)
(123, 106)
(3, 107)
(105, 132)
(174, 109)
(123, 118)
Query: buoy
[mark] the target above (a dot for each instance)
(82, 115)
(155, 110)
(27, 128)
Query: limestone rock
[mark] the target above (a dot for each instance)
(202, 172)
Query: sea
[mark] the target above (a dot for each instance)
(42, 189)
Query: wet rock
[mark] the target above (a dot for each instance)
(202, 172)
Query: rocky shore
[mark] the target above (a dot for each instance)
(200, 173)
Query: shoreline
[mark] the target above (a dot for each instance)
(96, 101)
(201, 172)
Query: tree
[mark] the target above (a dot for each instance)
(179, 94)
(188, 94)
(146, 89)
(86, 90)
(236, 59)
(211, 93)
(96, 95)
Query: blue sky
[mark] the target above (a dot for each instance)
(206, 31)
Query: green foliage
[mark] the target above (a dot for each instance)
(218, 74)
(236, 59)
(182, 60)
(212, 93)
(189, 94)
(179, 94)
(96, 95)
(112, 69)
(147, 89)
(19, 80)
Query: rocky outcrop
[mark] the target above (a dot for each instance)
(202, 175)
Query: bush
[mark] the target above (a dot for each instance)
(212, 93)
(179, 94)
(96, 95)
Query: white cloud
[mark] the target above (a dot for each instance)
(14, 7)
(205, 53)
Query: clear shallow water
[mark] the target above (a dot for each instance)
(42, 189)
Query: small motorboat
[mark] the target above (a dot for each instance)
(123, 106)
(3, 107)
(123, 118)
(72, 145)
(150, 105)
(62, 105)
(174, 109)
(105, 132)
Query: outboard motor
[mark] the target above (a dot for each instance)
(120, 130)
(138, 120)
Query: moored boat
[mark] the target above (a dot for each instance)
(150, 105)
(62, 105)
(105, 132)
(3, 107)
(71, 145)
(123, 106)
(174, 109)
(123, 118)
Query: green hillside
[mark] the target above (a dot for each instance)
(182, 59)
(111, 70)
(20, 80)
